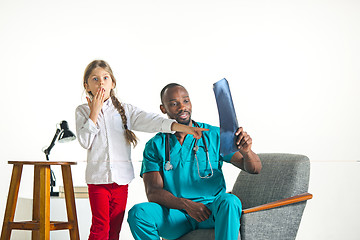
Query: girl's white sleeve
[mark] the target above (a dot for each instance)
(86, 130)
(147, 122)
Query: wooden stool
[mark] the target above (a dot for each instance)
(40, 224)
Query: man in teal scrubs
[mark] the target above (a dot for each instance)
(187, 191)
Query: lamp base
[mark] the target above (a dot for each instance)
(54, 194)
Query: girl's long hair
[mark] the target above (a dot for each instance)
(129, 135)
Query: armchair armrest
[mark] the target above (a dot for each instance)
(282, 202)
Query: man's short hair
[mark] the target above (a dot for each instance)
(170, 85)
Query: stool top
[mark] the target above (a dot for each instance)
(43, 163)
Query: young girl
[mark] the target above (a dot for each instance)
(104, 127)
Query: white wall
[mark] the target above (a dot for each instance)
(293, 69)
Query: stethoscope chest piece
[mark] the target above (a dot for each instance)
(168, 166)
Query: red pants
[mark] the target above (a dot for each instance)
(107, 202)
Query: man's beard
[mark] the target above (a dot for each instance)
(185, 122)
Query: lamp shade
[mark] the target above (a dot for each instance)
(65, 135)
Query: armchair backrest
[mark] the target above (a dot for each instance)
(282, 175)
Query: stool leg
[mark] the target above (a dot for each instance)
(44, 200)
(36, 202)
(70, 202)
(11, 201)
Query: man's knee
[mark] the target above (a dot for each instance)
(135, 214)
(230, 201)
(141, 213)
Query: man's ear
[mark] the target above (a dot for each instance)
(162, 108)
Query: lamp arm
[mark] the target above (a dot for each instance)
(52, 144)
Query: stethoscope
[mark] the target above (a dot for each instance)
(169, 166)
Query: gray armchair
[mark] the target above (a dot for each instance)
(273, 201)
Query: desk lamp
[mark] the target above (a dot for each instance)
(65, 136)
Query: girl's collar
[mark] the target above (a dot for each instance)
(107, 103)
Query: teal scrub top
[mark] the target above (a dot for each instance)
(183, 180)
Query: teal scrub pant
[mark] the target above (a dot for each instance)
(149, 221)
